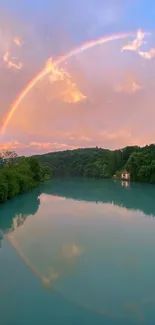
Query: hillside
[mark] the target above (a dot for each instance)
(104, 163)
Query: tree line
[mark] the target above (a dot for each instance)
(19, 174)
(103, 163)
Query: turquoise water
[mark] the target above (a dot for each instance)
(77, 251)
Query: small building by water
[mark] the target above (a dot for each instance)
(125, 176)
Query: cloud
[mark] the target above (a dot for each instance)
(70, 93)
(10, 62)
(12, 145)
(148, 55)
(116, 135)
(79, 137)
(34, 147)
(124, 137)
(129, 88)
(17, 41)
(50, 146)
(106, 139)
(136, 44)
(8, 45)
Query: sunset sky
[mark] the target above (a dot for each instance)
(103, 95)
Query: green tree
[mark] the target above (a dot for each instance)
(19, 176)
(12, 180)
(9, 157)
(35, 168)
(3, 187)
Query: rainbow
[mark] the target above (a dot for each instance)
(47, 70)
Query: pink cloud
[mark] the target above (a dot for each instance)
(104, 139)
(136, 44)
(12, 145)
(53, 146)
(124, 137)
(77, 137)
(34, 147)
(150, 54)
(128, 88)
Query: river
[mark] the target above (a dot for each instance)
(78, 252)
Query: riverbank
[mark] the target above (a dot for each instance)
(103, 163)
(20, 177)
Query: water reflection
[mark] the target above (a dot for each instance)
(139, 198)
(1, 238)
(86, 251)
(47, 265)
(14, 212)
(125, 184)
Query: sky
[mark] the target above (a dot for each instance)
(101, 95)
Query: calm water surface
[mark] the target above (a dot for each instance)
(78, 252)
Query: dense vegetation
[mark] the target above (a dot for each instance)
(97, 162)
(19, 175)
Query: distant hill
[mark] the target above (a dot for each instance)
(103, 163)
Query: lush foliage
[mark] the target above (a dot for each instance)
(19, 175)
(142, 166)
(97, 162)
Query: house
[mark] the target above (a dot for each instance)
(125, 175)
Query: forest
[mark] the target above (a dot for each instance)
(103, 163)
(19, 174)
